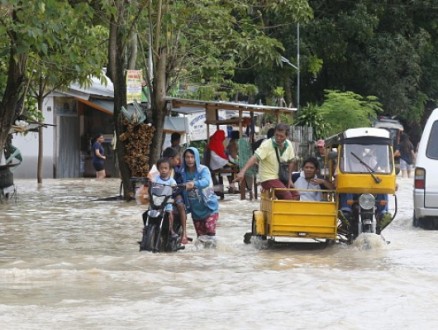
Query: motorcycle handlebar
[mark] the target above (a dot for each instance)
(144, 180)
(139, 179)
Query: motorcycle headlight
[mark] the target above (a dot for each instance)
(154, 213)
(158, 200)
(367, 201)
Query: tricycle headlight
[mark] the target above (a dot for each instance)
(367, 201)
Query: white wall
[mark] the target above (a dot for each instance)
(28, 145)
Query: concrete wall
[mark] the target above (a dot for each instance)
(28, 145)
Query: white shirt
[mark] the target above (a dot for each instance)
(302, 183)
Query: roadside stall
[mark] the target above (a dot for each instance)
(214, 115)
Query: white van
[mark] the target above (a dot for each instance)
(426, 176)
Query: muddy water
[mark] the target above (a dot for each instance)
(70, 260)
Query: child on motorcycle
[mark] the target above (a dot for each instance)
(175, 160)
(164, 177)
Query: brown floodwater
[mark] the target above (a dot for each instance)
(69, 258)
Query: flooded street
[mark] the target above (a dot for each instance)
(69, 260)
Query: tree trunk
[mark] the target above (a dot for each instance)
(159, 110)
(116, 72)
(133, 50)
(9, 106)
(14, 91)
(40, 155)
(40, 147)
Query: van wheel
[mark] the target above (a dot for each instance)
(415, 222)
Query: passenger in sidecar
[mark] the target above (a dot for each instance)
(309, 186)
(313, 216)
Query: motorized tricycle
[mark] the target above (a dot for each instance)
(156, 234)
(364, 175)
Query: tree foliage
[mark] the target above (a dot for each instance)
(230, 50)
(45, 45)
(371, 47)
(195, 41)
(310, 115)
(343, 110)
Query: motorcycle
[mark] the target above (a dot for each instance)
(156, 232)
(7, 187)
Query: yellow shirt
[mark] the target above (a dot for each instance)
(267, 159)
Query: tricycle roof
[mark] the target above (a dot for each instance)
(359, 135)
(366, 132)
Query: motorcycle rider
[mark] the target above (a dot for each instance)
(174, 158)
(165, 178)
(199, 197)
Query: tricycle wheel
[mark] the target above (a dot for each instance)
(254, 230)
(247, 238)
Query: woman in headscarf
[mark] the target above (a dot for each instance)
(199, 195)
(218, 157)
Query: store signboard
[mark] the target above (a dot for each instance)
(134, 79)
(198, 127)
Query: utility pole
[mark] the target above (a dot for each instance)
(296, 67)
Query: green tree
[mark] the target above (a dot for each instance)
(196, 41)
(310, 115)
(44, 43)
(343, 110)
(376, 48)
(122, 18)
(74, 57)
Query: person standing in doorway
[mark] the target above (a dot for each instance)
(407, 155)
(175, 141)
(99, 157)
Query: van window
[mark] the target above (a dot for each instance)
(432, 145)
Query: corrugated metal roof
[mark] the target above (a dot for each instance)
(96, 89)
(187, 106)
